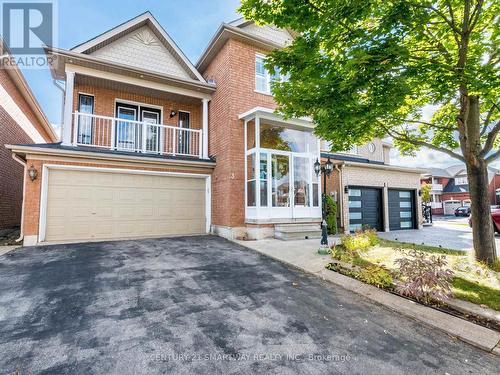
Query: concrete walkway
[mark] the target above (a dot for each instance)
(303, 255)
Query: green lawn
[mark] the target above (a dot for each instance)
(473, 281)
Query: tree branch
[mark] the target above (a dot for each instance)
(441, 127)
(490, 140)
(493, 157)
(488, 118)
(475, 14)
(404, 138)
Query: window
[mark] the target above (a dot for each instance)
(355, 192)
(85, 123)
(355, 227)
(405, 204)
(285, 139)
(263, 180)
(355, 216)
(405, 214)
(355, 204)
(404, 194)
(263, 77)
(251, 197)
(461, 181)
(184, 123)
(406, 224)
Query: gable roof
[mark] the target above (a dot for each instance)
(22, 86)
(147, 21)
(266, 37)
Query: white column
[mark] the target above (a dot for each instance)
(205, 127)
(68, 107)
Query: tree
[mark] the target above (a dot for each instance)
(426, 192)
(374, 68)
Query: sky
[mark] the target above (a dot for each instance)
(190, 23)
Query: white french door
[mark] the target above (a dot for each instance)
(290, 184)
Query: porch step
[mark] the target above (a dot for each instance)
(287, 232)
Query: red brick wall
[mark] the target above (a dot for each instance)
(234, 72)
(11, 172)
(455, 196)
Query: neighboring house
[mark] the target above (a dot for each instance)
(450, 188)
(143, 153)
(21, 121)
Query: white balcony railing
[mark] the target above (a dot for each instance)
(437, 187)
(135, 136)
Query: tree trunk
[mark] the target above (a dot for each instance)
(483, 235)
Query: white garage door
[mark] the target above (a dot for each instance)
(91, 205)
(451, 206)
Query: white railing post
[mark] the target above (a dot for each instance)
(68, 107)
(205, 128)
(175, 139)
(76, 121)
(200, 144)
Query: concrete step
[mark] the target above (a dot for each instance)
(300, 231)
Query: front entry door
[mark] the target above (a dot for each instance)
(290, 184)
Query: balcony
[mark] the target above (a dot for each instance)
(135, 136)
(437, 187)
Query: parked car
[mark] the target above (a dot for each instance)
(462, 211)
(495, 216)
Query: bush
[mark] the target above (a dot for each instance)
(331, 214)
(423, 277)
(372, 236)
(376, 275)
(358, 241)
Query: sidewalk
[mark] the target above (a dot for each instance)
(303, 255)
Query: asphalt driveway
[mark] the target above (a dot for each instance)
(201, 305)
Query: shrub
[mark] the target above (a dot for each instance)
(331, 214)
(342, 254)
(423, 276)
(376, 275)
(357, 242)
(372, 236)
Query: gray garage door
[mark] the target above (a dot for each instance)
(401, 209)
(365, 208)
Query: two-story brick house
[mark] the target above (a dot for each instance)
(153, 145)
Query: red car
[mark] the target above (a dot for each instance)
(495, 215)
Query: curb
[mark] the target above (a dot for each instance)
(473, 334)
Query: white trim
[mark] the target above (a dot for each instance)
(138, 104)
(136, 81)
(45, 184)
(204, 122)
(271, 115)
(106, 156)
(19, 116)
(68, 108)
(142, 18)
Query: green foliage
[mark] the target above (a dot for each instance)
(360, 241)
(426, 192)
(375, 275)
(355, 242)
(331, 214)
(364, 69)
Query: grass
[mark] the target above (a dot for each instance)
(473, 281)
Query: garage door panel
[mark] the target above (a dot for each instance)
(401, 209)
(103, 205)
(365, 208)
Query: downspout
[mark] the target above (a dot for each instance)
(63, 90)
(341, 194)
(24, 164)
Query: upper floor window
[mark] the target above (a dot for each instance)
(461, 181)
(263, 77)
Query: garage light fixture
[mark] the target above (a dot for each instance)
(173, 113)
(346, 189)
(33, 173)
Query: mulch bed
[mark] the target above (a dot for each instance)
(482, 321)
(8, 237)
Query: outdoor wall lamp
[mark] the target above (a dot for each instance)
(325, 169)
(420, 193)
(346, 189)
(33, 173)
(173, 113)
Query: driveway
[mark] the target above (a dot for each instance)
(201, 305)
(447, 231)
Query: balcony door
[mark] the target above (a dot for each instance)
(137, 131)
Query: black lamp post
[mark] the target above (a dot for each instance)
(325, 169)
